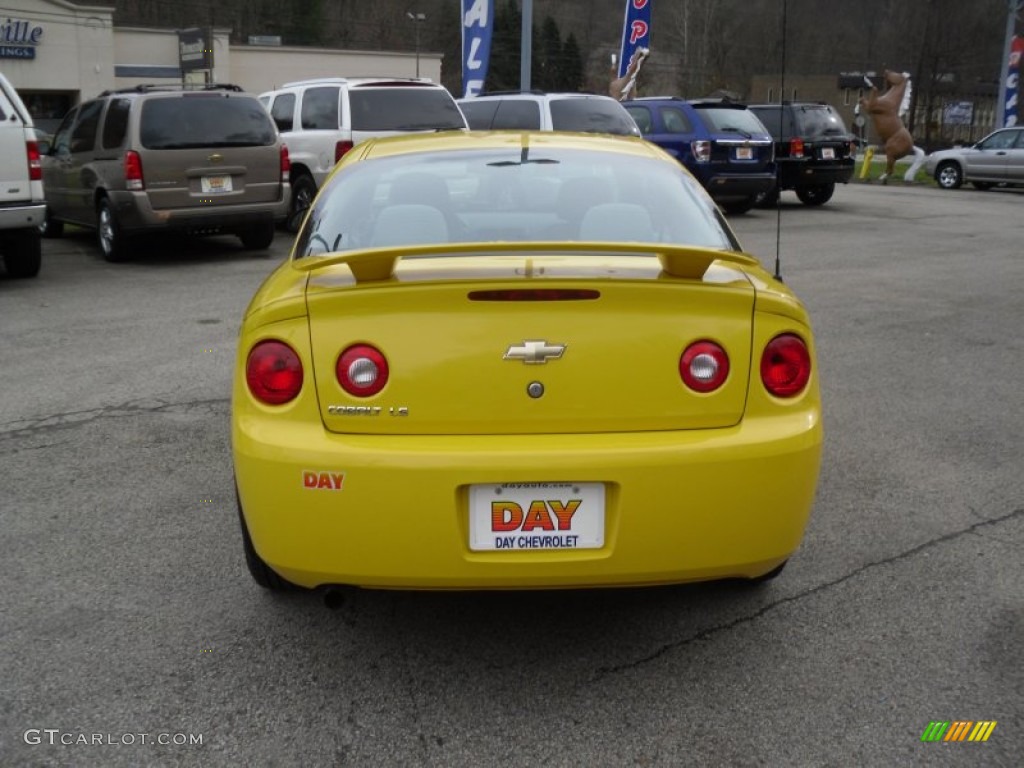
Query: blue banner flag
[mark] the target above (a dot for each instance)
(636, 31)
(1010, 109)
(477, 26)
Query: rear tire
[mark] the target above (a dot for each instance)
(303, 192)
(739, 206)
(816, 195)
(23, 253)
(259, 236)
(113, 243)
(767, 199)
(261, 573)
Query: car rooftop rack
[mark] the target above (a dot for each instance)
(356, 80)
(158, 87)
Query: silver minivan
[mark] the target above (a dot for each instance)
(157, 158)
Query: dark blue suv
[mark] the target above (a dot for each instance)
(723, 144)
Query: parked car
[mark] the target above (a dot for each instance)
(996, 159)
(322, 119)
(538, 111)
(22, 206)
(813, 150)
(720, 142)
(159, 159)
(445, 386)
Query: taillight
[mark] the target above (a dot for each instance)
(362, 370)
(133, 171)
(796, 147)
(286, 163)
(341, 148)
(35, 167)
(786, 365)
(701, 151)
(273, 372)
(704, 366)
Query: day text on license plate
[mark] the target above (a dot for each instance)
(744, 153)
(213, 185)
(529, 516)
(828, 153)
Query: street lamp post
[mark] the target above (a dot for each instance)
(417, 19)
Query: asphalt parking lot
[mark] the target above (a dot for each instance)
(128, 618)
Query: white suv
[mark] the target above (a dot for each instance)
(22, 206)
(320, 120)
(537, 111)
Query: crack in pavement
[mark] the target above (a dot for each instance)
(711, 631)
(44, 424)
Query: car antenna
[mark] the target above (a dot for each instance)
(778, 196)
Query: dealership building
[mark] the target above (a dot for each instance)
(57, 54)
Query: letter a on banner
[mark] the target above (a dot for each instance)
(1011, 109)
(636, 31)
(477, 26)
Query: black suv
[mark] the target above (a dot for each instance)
(721, 143)
(813, 150)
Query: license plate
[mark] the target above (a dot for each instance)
(744, 153)
(213, 185)
(827, 153)
(519, 517)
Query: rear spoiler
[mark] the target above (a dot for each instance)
(369, 265)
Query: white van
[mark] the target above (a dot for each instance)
(22, 206)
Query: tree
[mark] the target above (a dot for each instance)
(571, 70)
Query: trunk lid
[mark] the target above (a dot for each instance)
(462, 364)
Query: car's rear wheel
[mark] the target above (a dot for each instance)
(259, 236)
(767, 199)
(112, 240)
(739, 206)
(983, 185)
(949, 176)
(819, 194)
(303, 192)
(261, 573)
(23, 253)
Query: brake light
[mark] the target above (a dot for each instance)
(35, 167)
(362, 370)
(286, 163)
(704, 366)
(701, 151)
(796, 147)
(273, 372)
(786, 365)
(536, 294)
(133, 171)
(341, 148)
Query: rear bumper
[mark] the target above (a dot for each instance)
(680, 506)
(135, 213)
(795, 173)
(726, 186)
(21, 215)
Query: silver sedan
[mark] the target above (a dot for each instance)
(996, 159)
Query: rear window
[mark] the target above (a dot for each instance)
(517, 114)
(729, 120)
(403, 109)
(819, 121)
(514, 195)
(592, 116)
(205, 120)
(479, 114)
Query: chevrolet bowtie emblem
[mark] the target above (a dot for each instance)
(534, 352)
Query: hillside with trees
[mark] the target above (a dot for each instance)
(698, 46)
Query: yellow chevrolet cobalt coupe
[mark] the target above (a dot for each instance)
(518, 360)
